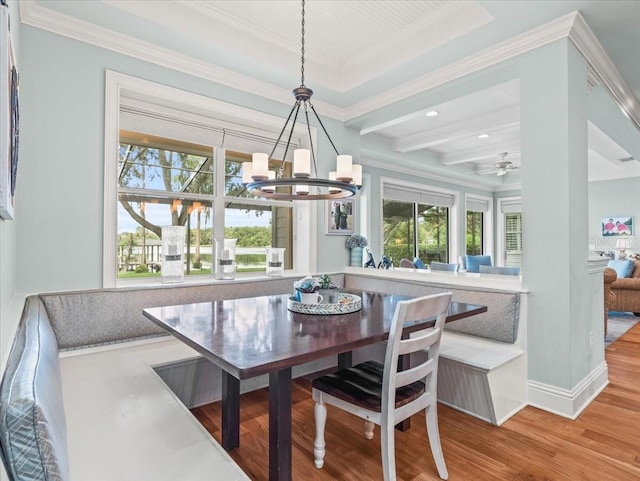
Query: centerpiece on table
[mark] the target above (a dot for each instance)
(356, 243)
(328, 290)
(307, 290)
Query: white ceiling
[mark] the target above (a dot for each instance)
(365, 59)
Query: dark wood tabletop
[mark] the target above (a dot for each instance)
(251, 336)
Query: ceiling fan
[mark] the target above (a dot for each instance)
(503, 166)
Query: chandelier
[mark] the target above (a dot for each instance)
(345, 181)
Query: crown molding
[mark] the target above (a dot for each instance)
(604, 69)
(572, 26)
(530, 40)
(40, 17)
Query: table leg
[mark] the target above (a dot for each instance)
(230, 411)
(280, 425)
(345, 360)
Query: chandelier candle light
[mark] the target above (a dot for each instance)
(344, 182)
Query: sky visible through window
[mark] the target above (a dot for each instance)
(160, 215)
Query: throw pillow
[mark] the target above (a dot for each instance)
(418, 264)
(623, 268)
(474, 262)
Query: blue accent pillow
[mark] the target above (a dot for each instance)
(623, 268)
(474, 262)
(418, 263)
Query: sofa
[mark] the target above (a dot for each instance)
(622, 294)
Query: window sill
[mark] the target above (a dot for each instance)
(202, 280)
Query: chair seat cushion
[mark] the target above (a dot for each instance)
(362, 385)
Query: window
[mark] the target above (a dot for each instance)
(510, 232)
(476, 231)
(178, 161)
(513, 239)
(416, 223)
(162, 182)
(166, 182)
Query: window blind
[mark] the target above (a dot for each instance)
(477, 205)
(395, 192)
(187, 127)
(510, 206)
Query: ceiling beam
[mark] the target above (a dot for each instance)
(487, 153)
(493, 122)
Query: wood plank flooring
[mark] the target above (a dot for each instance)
(602, 444)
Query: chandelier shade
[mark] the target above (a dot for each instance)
(344, 182)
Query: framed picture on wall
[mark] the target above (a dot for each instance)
(341, 216)
(9, 114)
(617, 226)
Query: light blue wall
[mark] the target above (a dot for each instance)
(63, 140)
(9, 228)
(614, 198)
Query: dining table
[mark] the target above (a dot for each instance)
(251, 336)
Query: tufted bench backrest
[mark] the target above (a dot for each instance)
(95, 317)
(33, 431)
(499, 323)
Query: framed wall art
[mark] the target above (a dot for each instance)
(9, 113)
(341, 216)
(617, 226)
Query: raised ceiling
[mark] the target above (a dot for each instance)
(364, 59)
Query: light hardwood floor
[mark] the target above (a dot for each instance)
(602, 444)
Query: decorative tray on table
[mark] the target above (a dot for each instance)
(346, 303)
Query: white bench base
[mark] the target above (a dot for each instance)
(484, 378)
(125, 424)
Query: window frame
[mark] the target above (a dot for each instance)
(452, 231)
(487, 223)
(516, 206)
(117, 85)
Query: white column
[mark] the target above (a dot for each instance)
(561, 319)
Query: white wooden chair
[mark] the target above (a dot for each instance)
(380, 394)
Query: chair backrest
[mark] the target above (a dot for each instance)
(505, 271)
(474, 262)
(426, 307)
(418, 264)
(406, 263)
(443, 266)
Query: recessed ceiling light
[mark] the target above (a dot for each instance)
(432, 113)
(484, 136)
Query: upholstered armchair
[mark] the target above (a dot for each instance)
(621, 294)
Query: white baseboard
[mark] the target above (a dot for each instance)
(565, 402)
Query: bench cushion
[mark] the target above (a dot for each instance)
(33, 432)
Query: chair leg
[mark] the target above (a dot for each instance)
(434, 440)
(368, 429)
(387, 446)
(320, 413)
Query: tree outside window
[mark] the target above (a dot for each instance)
(167, 182)
(415, 230)
(475, 229)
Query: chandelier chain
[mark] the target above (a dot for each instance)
(302, 49)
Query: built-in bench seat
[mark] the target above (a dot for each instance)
(482, 377)
(483, 363)
(125, 424)
(122, 421)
